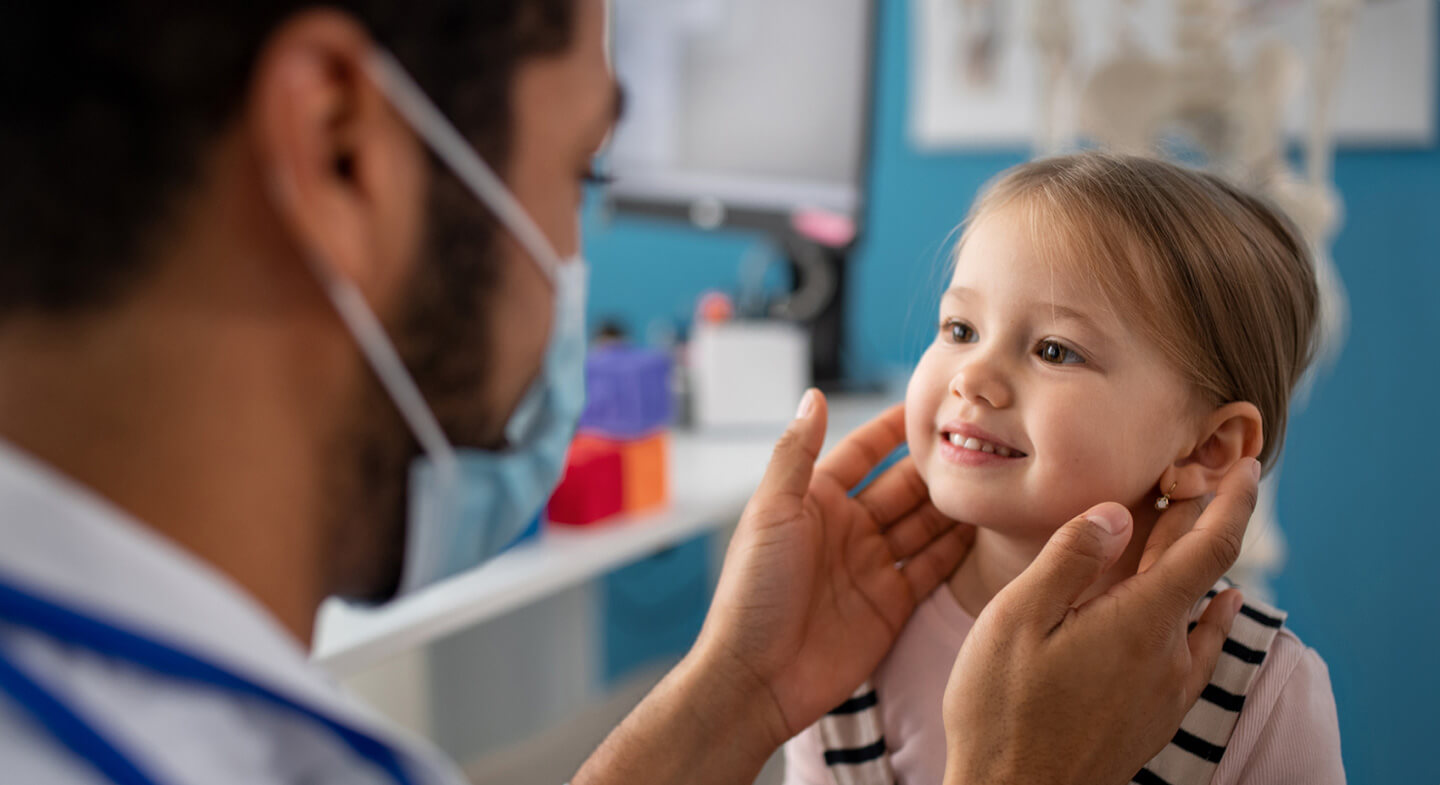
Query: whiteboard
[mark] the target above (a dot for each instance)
(1386, 96)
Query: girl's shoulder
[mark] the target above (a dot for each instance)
(1267, 715)
(1288, 730)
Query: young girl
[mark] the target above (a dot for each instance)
(1116, 329)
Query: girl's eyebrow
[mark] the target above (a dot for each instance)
(1057, 311)
(958, 293)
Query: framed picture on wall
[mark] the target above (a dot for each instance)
(977, 80)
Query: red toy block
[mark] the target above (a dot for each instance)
(593, 486)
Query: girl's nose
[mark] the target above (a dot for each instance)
(980, 380)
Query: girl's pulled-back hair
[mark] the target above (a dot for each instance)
(1218, 279)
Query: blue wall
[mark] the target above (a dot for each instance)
(1360, 474)
(1358, 498)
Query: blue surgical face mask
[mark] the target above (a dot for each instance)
(468, 504)
(494, 495)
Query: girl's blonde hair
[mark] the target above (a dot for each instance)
(1218, 279)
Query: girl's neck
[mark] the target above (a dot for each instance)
(997, 558)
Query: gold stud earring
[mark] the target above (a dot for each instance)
(1164, 501)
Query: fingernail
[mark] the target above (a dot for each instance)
(807, 405)
(1255, 469)
(1236, 602)
(1111, 517)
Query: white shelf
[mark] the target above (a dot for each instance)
(711, 479)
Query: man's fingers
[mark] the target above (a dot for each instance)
(860, 452)
(894, 493)
(1174, 523)
(917, 529)
(927, 569)
(1187, 569)
(793, 461)
(1207, 638)
(1071, 562)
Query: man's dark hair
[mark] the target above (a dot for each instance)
(106, 110)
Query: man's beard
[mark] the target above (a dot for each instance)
(441, 334)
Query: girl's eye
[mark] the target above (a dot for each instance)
(1058, 354)
(957, 332)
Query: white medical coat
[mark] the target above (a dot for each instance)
(64, 543)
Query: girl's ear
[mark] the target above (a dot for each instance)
(1232, 432)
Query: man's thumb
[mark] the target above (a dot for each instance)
(793, 461)
(1076, 556)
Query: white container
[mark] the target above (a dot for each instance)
(748, 373)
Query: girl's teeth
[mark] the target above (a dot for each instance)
(979, 446)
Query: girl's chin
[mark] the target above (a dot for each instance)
(1002, 516)
(1004, 520)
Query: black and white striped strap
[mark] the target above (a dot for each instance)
(1193, 755)
(855, 743)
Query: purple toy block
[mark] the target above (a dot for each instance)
(627, 392)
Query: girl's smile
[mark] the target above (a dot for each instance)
(970, 445)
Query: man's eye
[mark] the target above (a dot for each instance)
(593, 175)
(957, 332)
(1058, 354)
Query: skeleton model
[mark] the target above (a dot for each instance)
(1231, 112)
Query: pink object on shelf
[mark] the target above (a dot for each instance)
(824, 227)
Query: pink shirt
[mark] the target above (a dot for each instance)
(1288, 731)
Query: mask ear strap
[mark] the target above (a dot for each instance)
(380, 353)
(447, 143)
(390, 369)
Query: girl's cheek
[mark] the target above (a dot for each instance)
(922, 400)
(1084, 446)
(915, 435)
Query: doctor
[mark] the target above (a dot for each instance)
(271, 329)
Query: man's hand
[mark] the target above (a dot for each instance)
(1045, 692)
(816, 587)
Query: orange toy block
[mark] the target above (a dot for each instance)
(646, 464)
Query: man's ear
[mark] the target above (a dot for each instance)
(347, 176)
(1230, 433)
